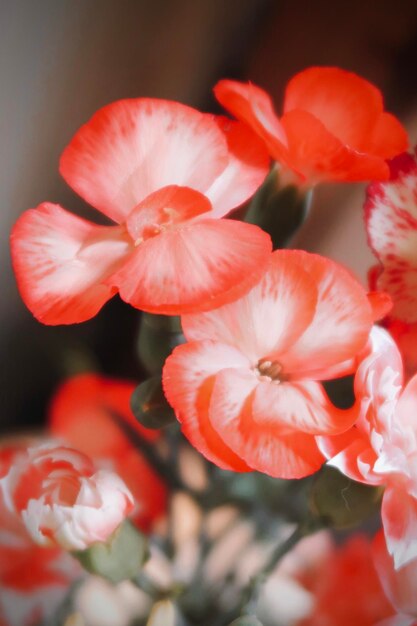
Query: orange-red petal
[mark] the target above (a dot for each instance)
(188, 379)
(61, 263)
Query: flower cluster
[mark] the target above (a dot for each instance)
(263, 330)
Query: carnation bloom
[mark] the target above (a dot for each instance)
(244, 387)
(381, 447)
(399, 585)
(405, 336)
(391, 222)
(33, 579)
(89, 412)
(164, 173)
(333, 127)
(61, 498)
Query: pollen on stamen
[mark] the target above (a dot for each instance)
(270, 370)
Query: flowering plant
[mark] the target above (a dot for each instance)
(268, 368)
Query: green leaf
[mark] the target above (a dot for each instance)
(278, 210)
(158, 336)
(119, 558)
(341, 502)
(150, 406)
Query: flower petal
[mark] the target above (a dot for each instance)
(188, 381)
(252, 105)
(399, 585)
(195, 267)
(389, 137)
(399, 518)
(345, 103)
(267, 445)
(270, 317)
(320, 156)
(342, 321)
(301, 406)
(246, 169)
(391, 220)
(131, 148)
(165, 208)
(61, 262)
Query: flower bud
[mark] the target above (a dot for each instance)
(62, 499)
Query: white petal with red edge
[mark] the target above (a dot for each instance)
(274, 449)
(342, 320)
(131, 148)
(269, 318)
(188, 379)
(391, 219)
(301, 406)
(195, 267)
(61, 263)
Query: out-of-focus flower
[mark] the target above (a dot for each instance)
(245, 386)
(164, 173)
(333, 127)
(400, 585)
(391, 221)
(61, 498)
(88, 412)
(33, 579)
(381, 448)
(321, 584)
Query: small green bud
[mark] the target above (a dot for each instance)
(158, 336)
(150, 406)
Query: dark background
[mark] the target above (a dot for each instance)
(60, 60)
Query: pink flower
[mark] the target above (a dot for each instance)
(381, 448)
(84, 413)
(62, 500)
(33, 579)
(391, 221)
(245, 387)
(165, 173)
(333, 127)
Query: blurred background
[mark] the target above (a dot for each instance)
(60, 60)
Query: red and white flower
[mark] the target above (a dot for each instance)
(33, 579)
(61, 498)
(245, 387)
(381, 448)
(333, 127)
(391, 222)
(88, 412)
(165, 173)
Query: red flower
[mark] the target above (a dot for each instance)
(164, 173)
(245, 386)
(84, 413)
(333, 127)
